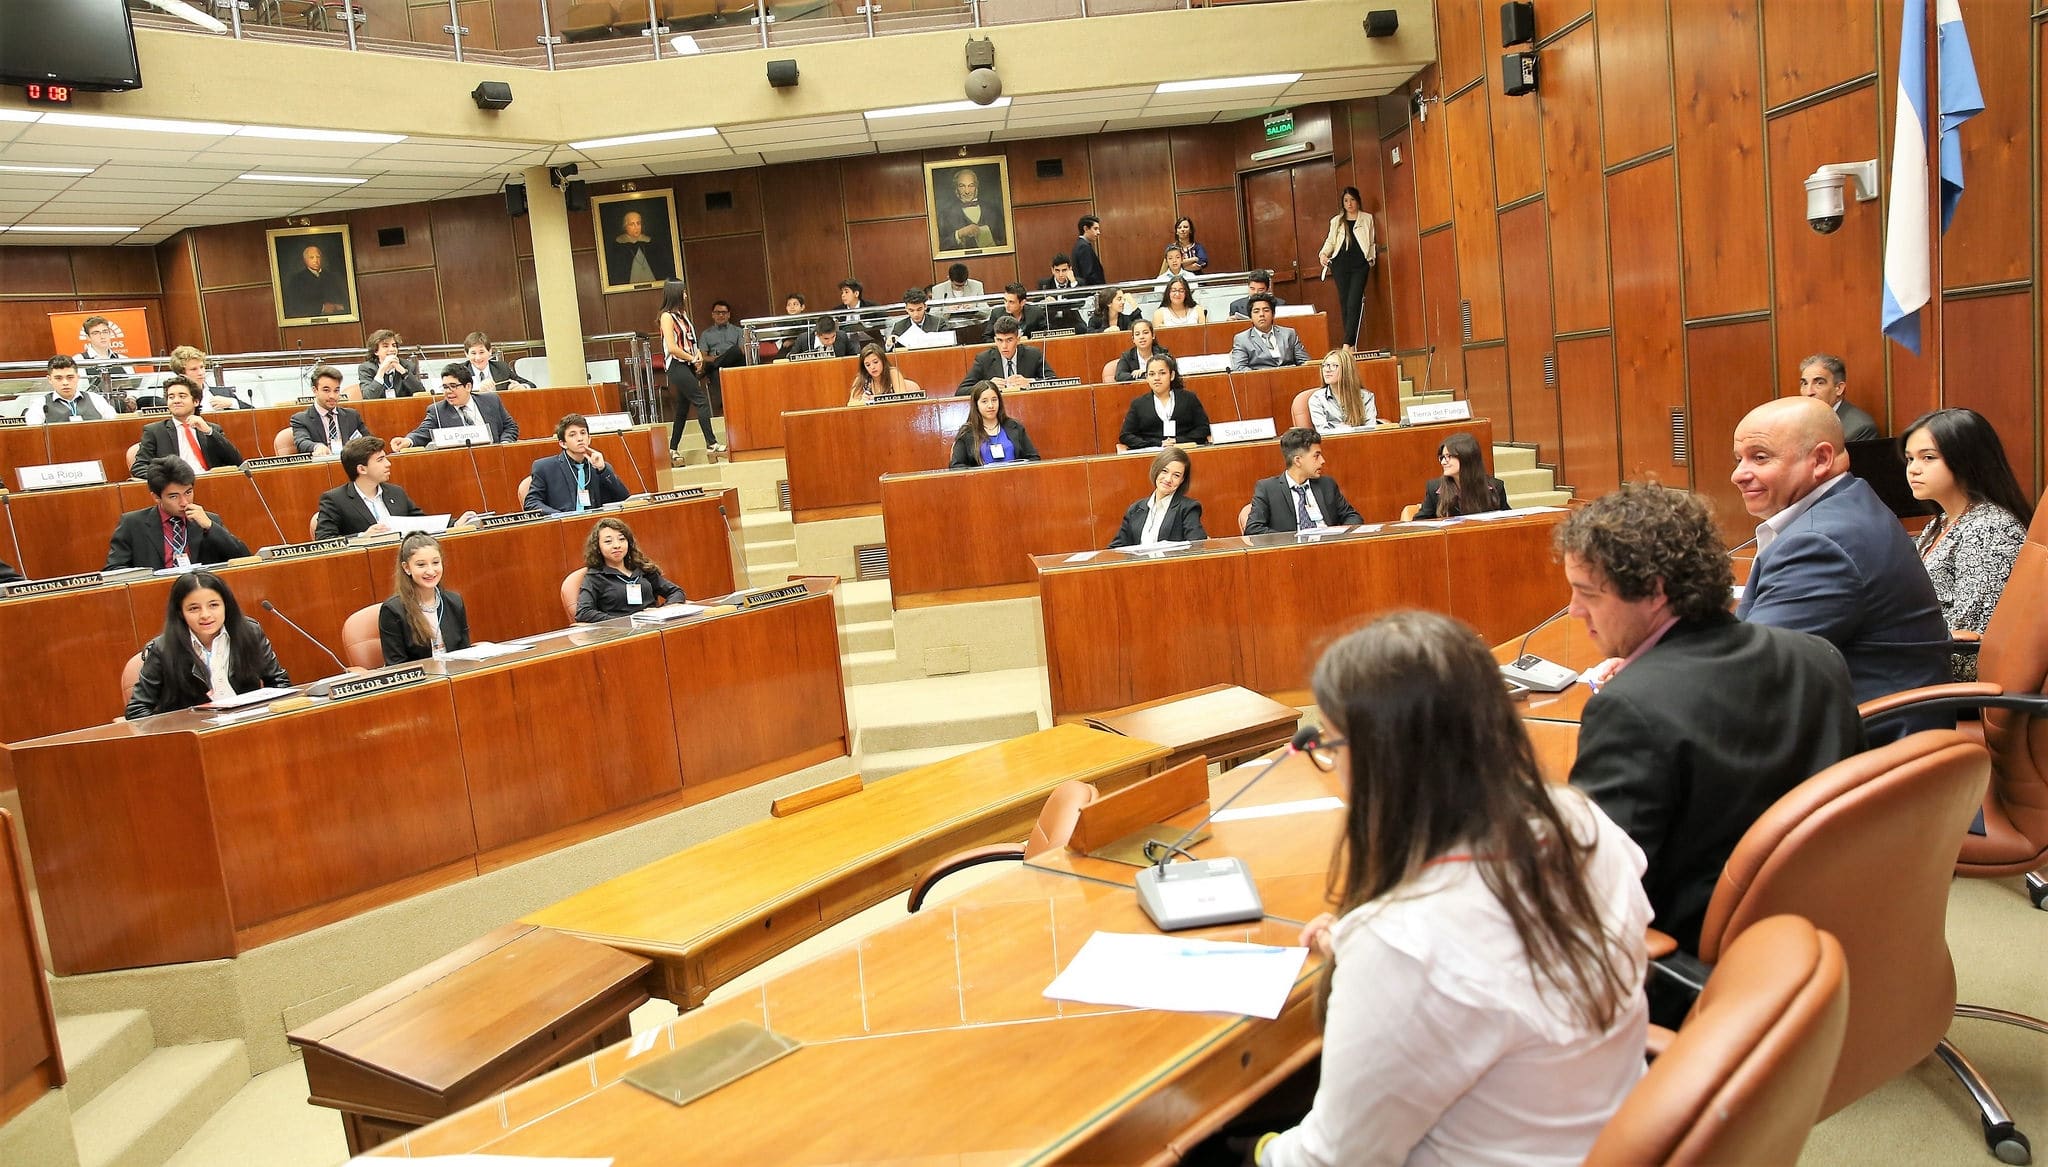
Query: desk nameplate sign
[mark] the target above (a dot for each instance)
(378, 682)
(153, 411)
(888, 398)
(62, 583)
(768, 596)
(1241, 431)
(277, 460)
(303, 399)
(8, 423)
(461, 435)
(709, 1063)
(668, 495)
(510, 519)
(610, 423)
(1057, 383)
(1052, 334)
(816, 354)
(301, 550)
(57, 475)
(1441, 411)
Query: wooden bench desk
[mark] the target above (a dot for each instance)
(1224, 723)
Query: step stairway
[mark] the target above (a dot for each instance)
(134, 1103)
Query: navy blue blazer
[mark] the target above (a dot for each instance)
(440, 414)
(553, 491)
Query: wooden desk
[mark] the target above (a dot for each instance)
(758, 890)
(30, 1063)
(1552, 719)
(1224, 723)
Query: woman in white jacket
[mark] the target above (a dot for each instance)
(1349, 252)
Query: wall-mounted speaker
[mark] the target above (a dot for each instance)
(576, 196)
(515, 199)
(1517, 23)
(391, 237)
(491, 95)
(1050, 167)
(1382, 22)
(782, 74)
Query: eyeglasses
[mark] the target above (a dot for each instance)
(1323, 755)
(1446, 457)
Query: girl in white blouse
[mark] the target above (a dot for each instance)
(1343, 401)
(1486, 1002)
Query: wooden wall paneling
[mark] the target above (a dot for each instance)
(1517, 134)
(232, 254)
(1649, 333)
(1313, 127)
(30, 1062)
(1635, 77)
(1203, 159)
(697, 220)
(184, 323)
(25, 327)
(114, 271)
(387, 19)
(1794, 66)
(529, 296)
(886, 186)
(32, 270)
(1574, 192)
(1216, 225)
(1987, 240)
(807, 236)
(1829, 287)
(1472, 206)
(1486, 385)
(415, 219)
(890, 256)
(996, 270)
(1987, 365)
(518, 25)
(1043, 231)
(589, 301)
(1075, 180)
(1440, 309)
(2041, 180)
(1462, 40)
(408, 302)
(638, 312)
(1432, 160)
(1720, 157)
(1269, 219)
(1915, 377)
(240, 320)
(1551, 15)
(1134, 199)
(734, 268)
(428, 24)
(1316, 198)
(1368, 176)
(1525, 268)
(1728, 373)
(522, 235)
(1400, 268)
(479, 282)
(1586, 414)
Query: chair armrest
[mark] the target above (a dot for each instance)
(961, 861)
(1957, 695)
(1661, 944)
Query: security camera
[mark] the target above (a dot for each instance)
(1825, 189)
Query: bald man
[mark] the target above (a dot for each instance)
(1833, 560)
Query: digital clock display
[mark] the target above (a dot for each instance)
(40, 94)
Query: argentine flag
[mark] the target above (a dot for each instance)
(1908, 284)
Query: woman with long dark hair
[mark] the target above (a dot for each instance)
(207, 650)
(685, 363)
(1177, 307)
(1193, 256)
(1144, 346)
(1464, 488)
(876, 374)
(618, 578)
(1485, 1004)
(990, 436)
(1955, 461)
(1169, 415)
(1349, 253)
(421, 619)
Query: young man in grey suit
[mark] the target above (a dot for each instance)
(327, 425)
(1265, 345)
(1824, 377)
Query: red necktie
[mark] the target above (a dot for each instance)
(196, 451)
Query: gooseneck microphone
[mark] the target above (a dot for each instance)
(740, 579)
(251, 476)
(1305, 739)
(646, 486)
(1533, 672)
(317, 688)
(483, 500)
(7, 504)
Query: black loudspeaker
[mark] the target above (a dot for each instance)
(515, 199)
(391, 237)
(1382, 22)
(782, 74)
(1517, 23)
(491, 95)
(1517, 73)
(576, 196)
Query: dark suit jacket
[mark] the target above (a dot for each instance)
(1087, 264)
(967, 446)
(1846, 572)
(843, 345)
(554, 486)
(1273, 505)
(1241, 308)
(1857, 426)
(501, 374)
(342, 511)
(1695, 739)
(442, 415)
(409, 381)
(139, 542)
(1143, 429)
(156, 691)
(1183, 522)
(398, 644)
(988, 364)
(160, 440)
(1496, 498)
(1033, 321)
(603, 595)
(1128, 367)
(309, 431)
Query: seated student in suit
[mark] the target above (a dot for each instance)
(1825, 378)
(65, 401)
(958, 286)
(208, 650)
(1832, 559)
(1301, 498)
(1255, 283)
(385, 373)
(1177, 307)
(1144, 346)
(1030, 318)
(1117, 310)
(618, 580)
(1062, 278)
(362, 506)
(876, 375)
(486, 372)
(1343, 401)
(917, 324)
(460, 406)
(1167, 515)
(190, 363)
(177, 531)
(325, 426)
(1265, 345)
(990, 436)
(1169, 415)
(1486, 1000)
(1009, 362)
(825, 336)
(1464, 487)
(186, 435)
(1701, 721)
(421, 619)
(99, 346)
(1955, 461)
(576, 480)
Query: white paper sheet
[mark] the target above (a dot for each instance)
(665, 613)
(1162, 545)
(252, 697)
(1277, 809)
(407, 524)
(1515, 513)
(1179, 974)
(484, 650)
(1083, 557)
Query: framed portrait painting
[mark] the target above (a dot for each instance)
(638, 245)
(967, 203)
(313, 275)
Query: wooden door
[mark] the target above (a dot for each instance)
(1287, 212)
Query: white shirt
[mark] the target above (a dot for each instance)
(1315, 513)
(219, 664)
(1155, 519)
(1168, 316)
(1768, 532)
(188, 448)
(1325, 414)
(374, 499)
(1438, 1047)
(431, 609)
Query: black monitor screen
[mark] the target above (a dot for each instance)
(1879, 462)
(87, 44)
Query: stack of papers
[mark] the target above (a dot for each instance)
(481, 651)
(665, 613)
(1180, 974)
(252, 697)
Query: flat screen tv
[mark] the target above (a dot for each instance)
(87, 44)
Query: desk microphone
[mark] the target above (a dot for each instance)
(317, 688)
(7, 503)
(483, 500)
(1749, 542)
(1533, 672)
(251, 476)
(739, 555)
(626, 441)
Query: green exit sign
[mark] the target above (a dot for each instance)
(1279, 125)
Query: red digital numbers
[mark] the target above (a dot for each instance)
(48, 94)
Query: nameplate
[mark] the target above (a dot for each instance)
(886, 398)
(8, 423)
(278, 460)
(510, 519)
(61, 474)
(671, 495)
(1295, 310)
(767, 596)
(377, 683)
(610, 423)
(1241, 431)
(62, 583)
(299, 550)
(1052, 333)
(1057, 383)
(815, 354)
(461, 435)
(153, 411)
(1440, 411)
(304, 399)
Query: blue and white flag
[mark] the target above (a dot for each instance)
(1908, 283)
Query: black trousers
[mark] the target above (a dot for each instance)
(1351, 295)
(687, 391)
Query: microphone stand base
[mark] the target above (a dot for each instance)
(1199, 894)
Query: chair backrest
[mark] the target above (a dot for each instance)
(525, 484)
(1408, 512)
(1866, 849)
(313, 526)
(2014, 655)
(1244, 515)
(361, 646)
(1109, 370)
(351, 392)
(131, 672)
(1299, 410)
(572, 585)
(1742, 1082)
(1055, 823)
(283, 444)
(132, 451)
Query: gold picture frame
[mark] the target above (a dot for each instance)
(313, 275)
(966, 222)
(634, 257)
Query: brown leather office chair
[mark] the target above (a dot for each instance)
(1244, 515)
(525, 484)
(361, 645)
(282, 444)
(132, 451)
(572, 586)
(1109, 371)
(131, 672)
(1408, 512)
(352, 392)
(1742, 1081)
(1298, 411)
(313, 526)
(1055, 825)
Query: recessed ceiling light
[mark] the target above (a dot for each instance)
(71, 230)
(317, 179)
(14, 169)
(905, 111)
(636, 139)
(1261, 81)
(100, 121)
(291, 134)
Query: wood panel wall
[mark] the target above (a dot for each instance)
(1634, 233)
(36, 281)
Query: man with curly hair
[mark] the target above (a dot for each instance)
(1703, 720)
